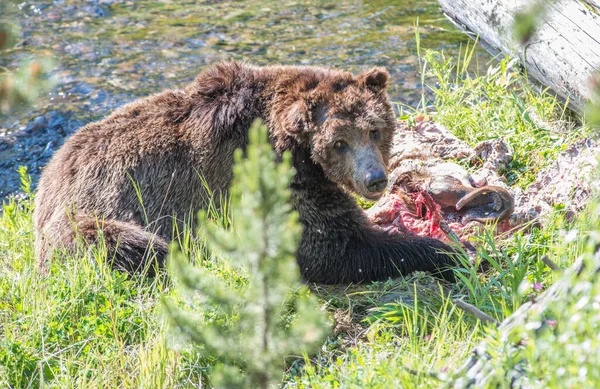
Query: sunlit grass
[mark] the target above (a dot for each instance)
(83, 325)
(420, 335)
(501, 103)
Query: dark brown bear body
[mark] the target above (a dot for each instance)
(130, 174)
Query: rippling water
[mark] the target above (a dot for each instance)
(110, 52)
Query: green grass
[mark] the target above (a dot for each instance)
(82, 325)
(501, 103)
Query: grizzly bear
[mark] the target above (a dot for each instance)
(133, 177)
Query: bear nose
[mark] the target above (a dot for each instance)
(376, 181)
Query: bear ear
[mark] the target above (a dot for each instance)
(319, 114)
(302, 119)
(375, 79)
(296, 119)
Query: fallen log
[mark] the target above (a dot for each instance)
(564, 51)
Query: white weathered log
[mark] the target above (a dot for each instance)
(563, 53)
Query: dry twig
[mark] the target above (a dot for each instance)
(550, 264)
(473, 310)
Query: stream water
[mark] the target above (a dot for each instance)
(110, 52)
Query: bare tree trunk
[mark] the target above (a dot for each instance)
(562, 54)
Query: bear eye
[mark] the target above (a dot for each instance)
(340, 145)
(374, 134)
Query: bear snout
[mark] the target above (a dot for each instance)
(376, 181)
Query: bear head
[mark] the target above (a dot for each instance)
(346, 121)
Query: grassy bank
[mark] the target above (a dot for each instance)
(83, 326)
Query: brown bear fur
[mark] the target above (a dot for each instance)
(338, 127)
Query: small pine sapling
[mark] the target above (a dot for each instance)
(251, 328)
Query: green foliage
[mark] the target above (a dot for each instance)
(252, 332)
(557, 345)
(592, 110)
(527, 20)
(82, 325)
(418, 337)
(501, 104)
(22, 85)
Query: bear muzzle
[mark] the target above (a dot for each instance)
(375, 182)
